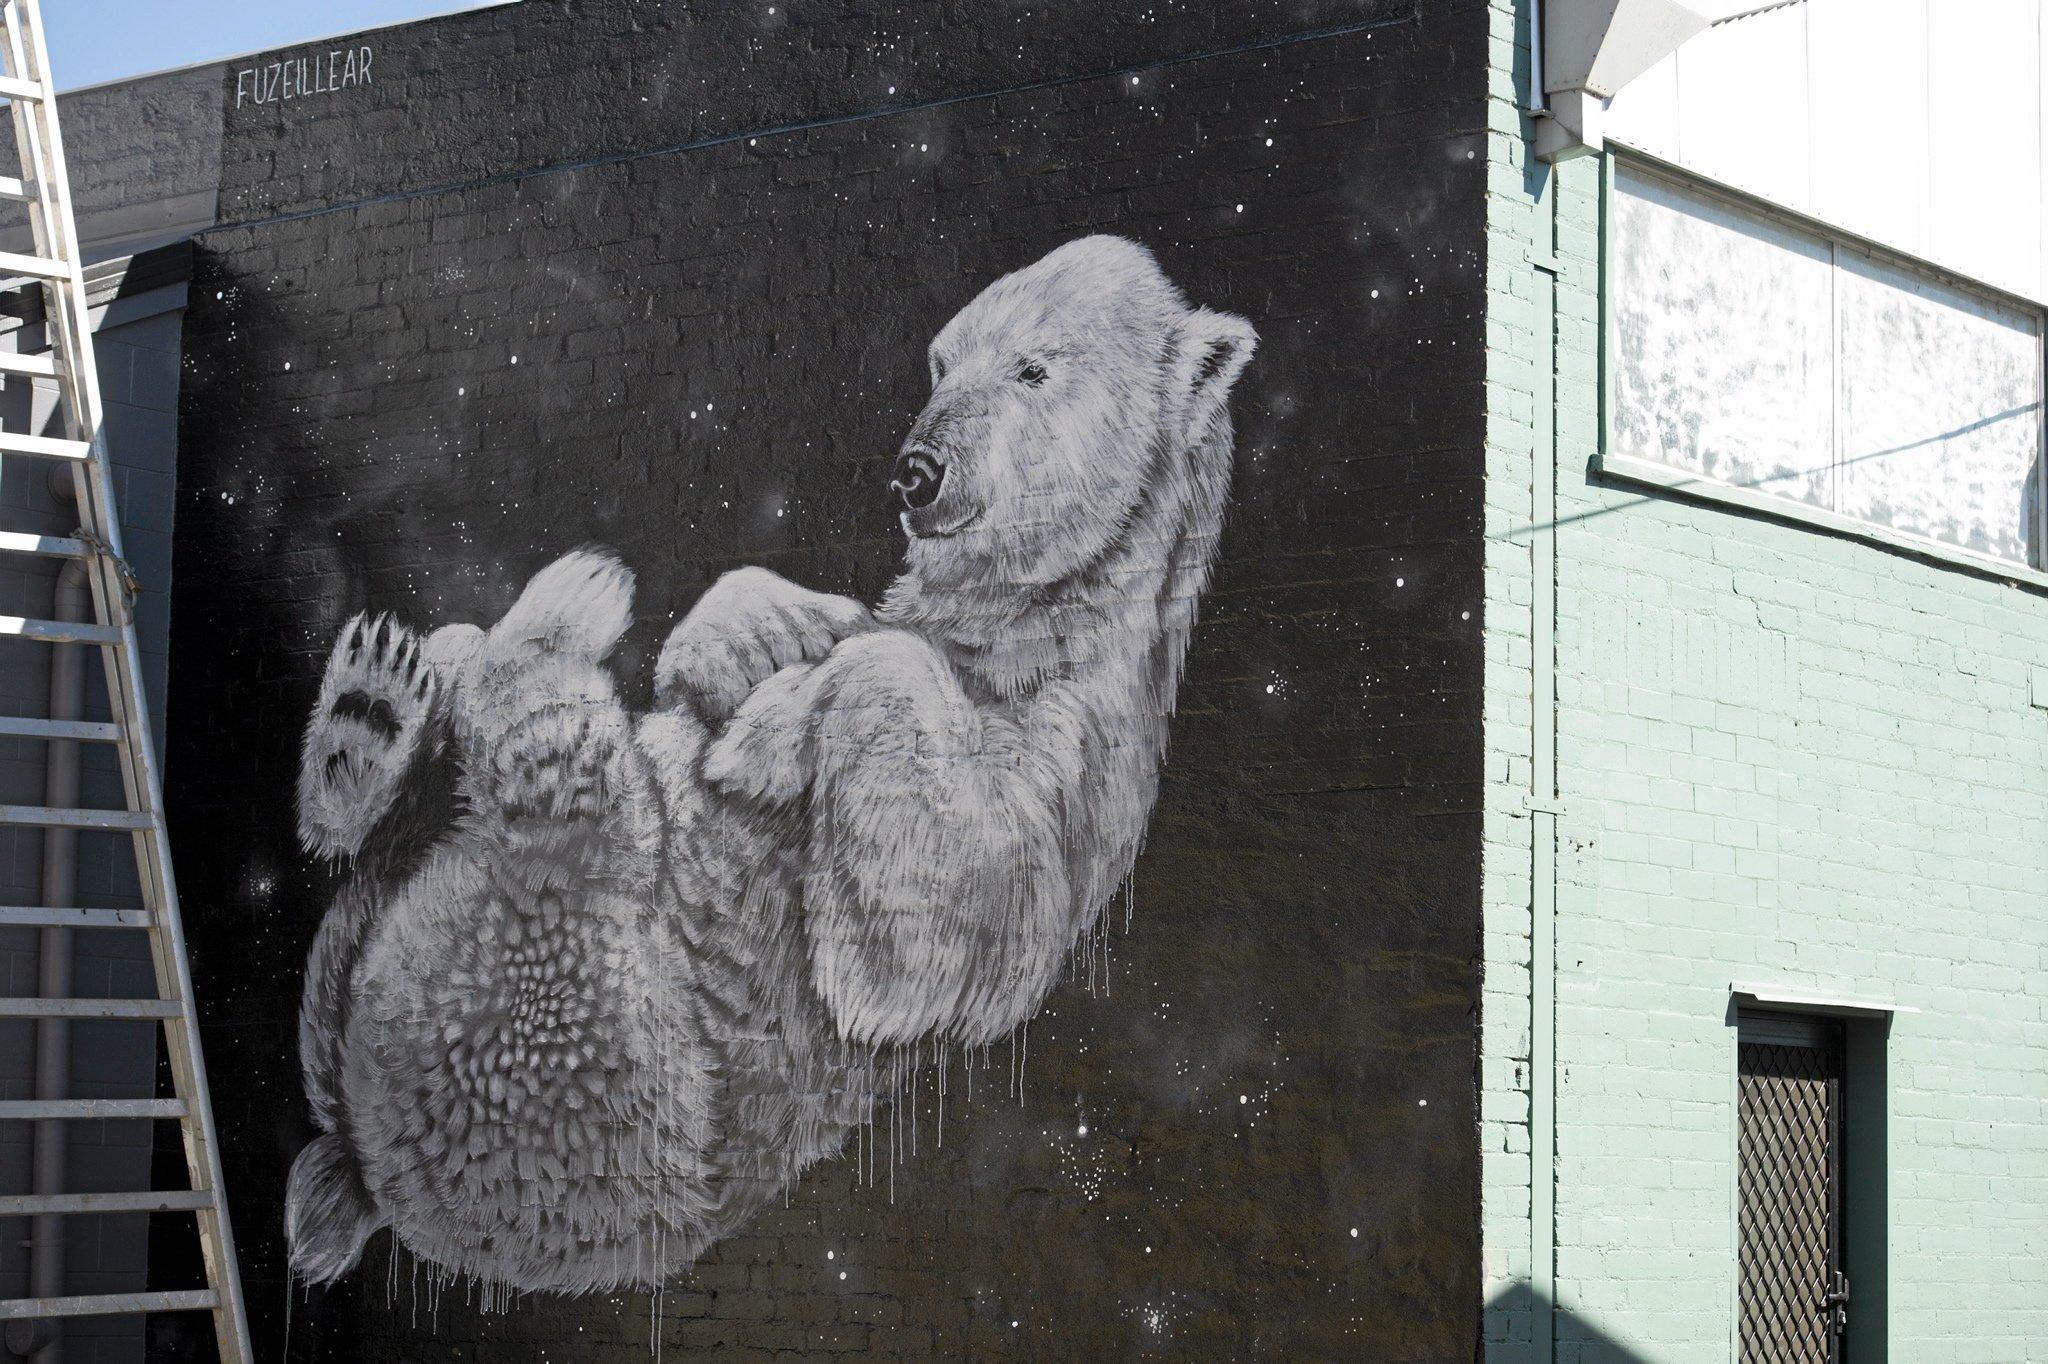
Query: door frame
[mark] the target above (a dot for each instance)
(1763, 1026)
(1869, 1026)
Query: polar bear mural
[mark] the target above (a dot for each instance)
(571, 1029)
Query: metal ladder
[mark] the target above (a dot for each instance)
(43, 187)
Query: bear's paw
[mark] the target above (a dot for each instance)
(375, 701)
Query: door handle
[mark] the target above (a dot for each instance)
(1836, 1302)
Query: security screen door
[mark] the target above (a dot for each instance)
(1792, 1296)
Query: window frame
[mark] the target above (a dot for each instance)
(1641, 471)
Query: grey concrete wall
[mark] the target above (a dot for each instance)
(138, 316)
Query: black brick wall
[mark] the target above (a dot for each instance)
(1277, 1069)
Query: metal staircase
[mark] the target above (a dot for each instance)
(96, 547)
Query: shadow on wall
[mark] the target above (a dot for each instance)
(1511, 1315)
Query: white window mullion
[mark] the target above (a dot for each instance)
(1835, 377)
(2040, 555)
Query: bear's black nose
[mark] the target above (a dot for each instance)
(916, 478)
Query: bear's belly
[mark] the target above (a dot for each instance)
(529, 1085)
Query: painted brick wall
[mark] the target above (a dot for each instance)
(657, 212)
(1785, 757)
(1516, 380)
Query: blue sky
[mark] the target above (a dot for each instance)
(103, 40)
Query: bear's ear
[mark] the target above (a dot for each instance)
(1209, 352)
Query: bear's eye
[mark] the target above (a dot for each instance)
(1032, 373)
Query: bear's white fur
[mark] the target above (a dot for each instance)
(571, 1037)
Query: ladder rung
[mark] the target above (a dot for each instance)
(53, 260)
(89, 1008)
(24, 1110)
(42, 366)
(41, 267)
(60, 631)
(44, 447)
(109, 1304)
(54, 817)
(44, 916)
(33, 727)
(56, 546)
(139, 1200)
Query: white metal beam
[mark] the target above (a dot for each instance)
(1585, 51)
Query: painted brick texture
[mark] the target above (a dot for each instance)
(1785, 757)
(717, 349)
(1516, 380)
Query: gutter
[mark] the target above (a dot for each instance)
(1542, 798)
(118, 291)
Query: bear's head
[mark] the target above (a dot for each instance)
(1062, 397)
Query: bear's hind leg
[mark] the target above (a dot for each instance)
(581, 604)
(379, 711)
(547, 742)
(328, 1213)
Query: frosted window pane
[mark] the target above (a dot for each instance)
(1722, 341)
(1940, 410)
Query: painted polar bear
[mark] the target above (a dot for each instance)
(568, 1028)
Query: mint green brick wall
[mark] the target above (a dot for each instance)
(1784, 757)
(1516, 378)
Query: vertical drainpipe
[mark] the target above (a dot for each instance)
(40, 1340)
(1543, 789)
(1543, 813)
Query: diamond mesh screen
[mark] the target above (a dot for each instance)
(1787, 1223)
